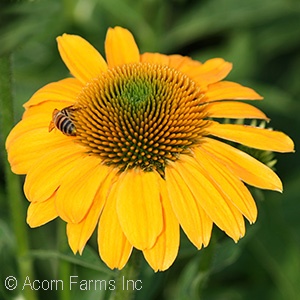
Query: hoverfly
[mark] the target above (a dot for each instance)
(62, 121)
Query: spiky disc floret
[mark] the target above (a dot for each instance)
(140, 115)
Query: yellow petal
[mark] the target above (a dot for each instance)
(253, 137)
(44, 177)
(234, 110)
(211, 71)
(243, 165)
(78, 188)
(114, 248)
(120, 47)
(22, 158)
(183, 63)
(227, 90)
(194, 221)
(230, 185)
(46, 109)
(155, 58)
(65, 90)
(139, 208)
(210, 196)
(78, 234)
(162, 255)
(81, 58)
(38, 117)
(28, 140)
(40, 213)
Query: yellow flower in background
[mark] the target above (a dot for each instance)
(134, 146)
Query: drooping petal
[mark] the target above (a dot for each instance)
(78, 188)
(161, 256)
(194, 221)
(120, 47)
(64, 90)
(138, 191)
(35, 118)
(253, 137)
(114, 247)
(233, 110)
(28, 140)
(45, 175)
(227, 90)
(213, 70)
(211, 198)
(81, 58)
(155, 58)
(40, 213)
(236, 191)
(78, 234)
(22, 158)
(38, 117)
(243, 165)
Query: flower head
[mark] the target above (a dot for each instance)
(133, 144)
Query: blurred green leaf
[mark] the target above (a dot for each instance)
(280, 36)
(7, 241)
(227, 252)
(210, 17)
(87, 260)
(23, 20)
(190, 281)
(277, 100)
(7, 257)
(283, 270)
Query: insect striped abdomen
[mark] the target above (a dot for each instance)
(62, 121)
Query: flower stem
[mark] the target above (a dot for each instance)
(126, 279)
(64, 267)
(13, 187)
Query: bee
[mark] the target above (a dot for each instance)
(62, 121)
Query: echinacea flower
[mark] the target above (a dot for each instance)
(135, 149)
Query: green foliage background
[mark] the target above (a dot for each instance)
(262, 40)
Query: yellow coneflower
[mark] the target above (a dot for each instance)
(135, 148)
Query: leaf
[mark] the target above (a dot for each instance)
(226, 254)
(210, 17)
(89, 259)
(22, 21)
